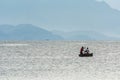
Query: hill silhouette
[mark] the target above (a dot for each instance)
(64, 15)
(26, 32)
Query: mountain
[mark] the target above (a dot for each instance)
(26, 32)
(84, 35)
(87, 15)
(31, 32)
(62, 15)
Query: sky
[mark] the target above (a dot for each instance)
(114, 3)
(37, 12)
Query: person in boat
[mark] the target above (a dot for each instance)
(87, 51)
(81, 50)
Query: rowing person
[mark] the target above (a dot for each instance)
(81, 50)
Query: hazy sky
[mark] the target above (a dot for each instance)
(47, 13)
(114, 3)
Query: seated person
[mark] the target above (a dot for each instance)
(81, 50)
(86, 51)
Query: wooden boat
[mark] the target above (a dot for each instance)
(86, 55)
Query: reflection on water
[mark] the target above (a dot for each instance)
(58, 60)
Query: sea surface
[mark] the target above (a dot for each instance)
(58, 60)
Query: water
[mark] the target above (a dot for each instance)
(58, 60)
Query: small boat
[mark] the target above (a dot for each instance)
(86, 55)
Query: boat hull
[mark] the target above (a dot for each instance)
(86, 55)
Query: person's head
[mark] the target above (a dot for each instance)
(82, 47)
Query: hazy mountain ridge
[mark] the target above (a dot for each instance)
(84, 35)
(94, 20)
(26, 32)
(31, 32)
(63, 14)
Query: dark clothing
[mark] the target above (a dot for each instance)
(81, 50)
